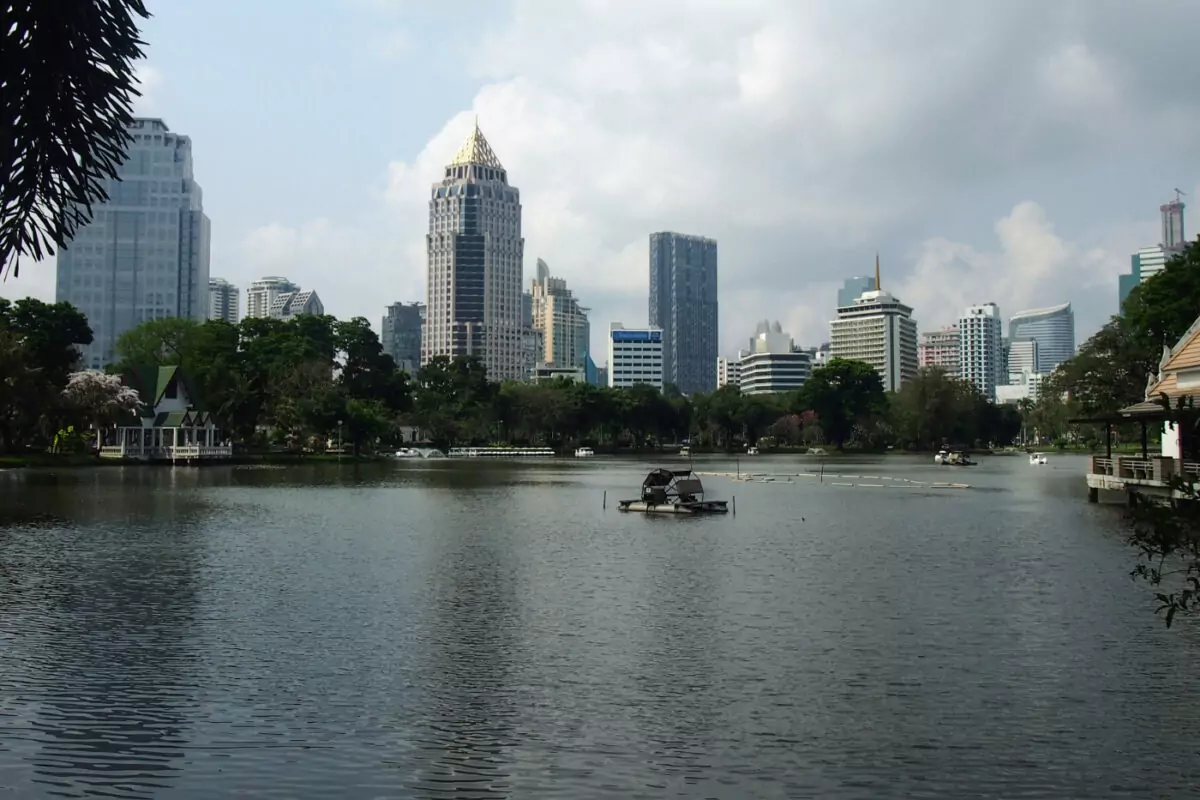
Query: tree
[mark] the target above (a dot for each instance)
(843, 393)
(99, 398)
(67, 92)
(38, 350)
(158, 342)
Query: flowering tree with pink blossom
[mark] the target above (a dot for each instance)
(99, 397)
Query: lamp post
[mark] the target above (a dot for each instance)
(339, 440)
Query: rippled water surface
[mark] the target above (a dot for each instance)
(474, 630)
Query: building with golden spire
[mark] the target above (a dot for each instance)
(475, 255)
(878, 329)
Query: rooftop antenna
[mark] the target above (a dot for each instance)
(877, 271)
(1179, 196)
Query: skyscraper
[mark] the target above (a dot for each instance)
(683, 303)
(401, 337)
(144, 255)
(475, 255)
(1173, 237)
(1149, 261)
(980, 352)
(560, 318)
(1054, 330)
(852, 289)
(261, 296)
(223, 300)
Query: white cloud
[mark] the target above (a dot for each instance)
(804, 137)
(1032, 267)
(36, 279)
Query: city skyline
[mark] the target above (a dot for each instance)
(1026, 224)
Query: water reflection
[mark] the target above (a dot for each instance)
(471, 707)
(97, 607)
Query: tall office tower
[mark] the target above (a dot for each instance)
(1149, 261)
(683, 303)
(878, 329)
(562, 321)
(475, 253)
(940, 348)
(852, 289)
(1054, 330)
(980, 352)
(1173, 237)
(223, 300)
(261, 296)
(144, 255)
(401, 337)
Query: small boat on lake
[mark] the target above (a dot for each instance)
(751, 451)
(685, 451)
(673, 492)
(1037, 458)
(816, 451)
(954, 458)
(584, 452)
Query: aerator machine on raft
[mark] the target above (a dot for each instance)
(673, 492)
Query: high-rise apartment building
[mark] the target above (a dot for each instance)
(940, 349)
(1054, 330)
(683, 304)
(729, 371)
(853, 288)
(878, 329)
(475, 256)
(262, 293)
(145, 253)
(223, 299)
(980, 351)
(562, 321)
(401, 334)
(635, 355)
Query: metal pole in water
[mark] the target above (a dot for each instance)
(605, 505)
(734, 498)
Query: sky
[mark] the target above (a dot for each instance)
(1003, 151)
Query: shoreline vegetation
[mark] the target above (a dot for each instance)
(42, 460)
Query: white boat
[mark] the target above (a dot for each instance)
(941, 457)
(1037, 458)
(584, 452)
(418, 452)
(685, 451)
(816, 451)
(751, 451)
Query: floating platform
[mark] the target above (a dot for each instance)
(701, 507)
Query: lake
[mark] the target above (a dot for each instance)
(486, 630)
